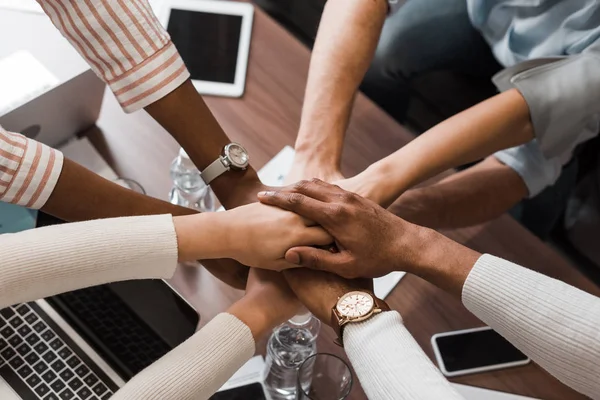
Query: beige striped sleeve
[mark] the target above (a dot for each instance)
(29, 170)
(124, 44)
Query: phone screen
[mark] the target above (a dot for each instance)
(253, 391)
(478, 349)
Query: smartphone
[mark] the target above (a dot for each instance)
(475, 350)
(253, 391)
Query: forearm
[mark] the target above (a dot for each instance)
(497, 123)
(390, 363)
(473, 196)
(46, 261)
(343, 50)
(186, 117)
(433, 257)
(81, 195)
(553, 323)
(198, 367)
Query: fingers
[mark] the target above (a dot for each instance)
(313, 258)
(314, 236)
(304, 206)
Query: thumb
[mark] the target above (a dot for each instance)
(313, 258)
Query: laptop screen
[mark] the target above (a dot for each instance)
(130, 324)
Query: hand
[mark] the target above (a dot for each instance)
(319, 291)
(258, 235)
(367, 185)
(305, 168)
(268, 302)
(372, 242)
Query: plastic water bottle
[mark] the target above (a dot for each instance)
(189, 190)
(289, 345)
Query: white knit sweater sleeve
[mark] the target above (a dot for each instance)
(197, 368)
(555, 324)
(45, 261)
(390, 364)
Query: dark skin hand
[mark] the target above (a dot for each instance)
(371, 241)
(319, 291)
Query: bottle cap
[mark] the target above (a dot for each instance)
(301, 319)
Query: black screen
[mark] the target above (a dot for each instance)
(207, 42)
(130, 324)
(476, 349)
(248, 392)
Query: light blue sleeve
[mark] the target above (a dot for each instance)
(529, 162)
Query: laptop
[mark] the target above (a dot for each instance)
(87, 343)
(60, 113)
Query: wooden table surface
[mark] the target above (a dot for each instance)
(265, 119)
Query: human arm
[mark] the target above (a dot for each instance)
(469, 197)
(388, 361)
(345, 44)
(36, 262)
(36, 176)
(201, 365)
(128, 48)
(498, 123)
(550, 321)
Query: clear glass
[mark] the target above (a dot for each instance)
(324, 376)
(289, 345)
(189, 190)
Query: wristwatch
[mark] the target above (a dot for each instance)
(352, 307)
(234, 157)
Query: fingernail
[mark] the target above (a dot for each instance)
(293, 257)
(266, 194)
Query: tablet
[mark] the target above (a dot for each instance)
(213, 38)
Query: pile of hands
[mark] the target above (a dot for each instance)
(307, 244)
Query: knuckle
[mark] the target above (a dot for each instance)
(295, 198)
(301, 185)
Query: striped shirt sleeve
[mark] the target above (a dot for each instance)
(124, 44)
(29, 170)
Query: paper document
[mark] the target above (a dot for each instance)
(251, 372)
(274, 173)
(475, 393)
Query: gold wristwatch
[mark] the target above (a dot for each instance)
(352, 307)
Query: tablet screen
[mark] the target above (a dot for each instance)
(207, 42)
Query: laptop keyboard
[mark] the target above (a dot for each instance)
(135, 343)
(38, 364)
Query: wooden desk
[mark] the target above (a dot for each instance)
(265, 120)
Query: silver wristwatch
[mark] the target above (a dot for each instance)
(234, 157)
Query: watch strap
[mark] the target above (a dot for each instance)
(213, 171)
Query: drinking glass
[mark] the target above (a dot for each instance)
(323, 376)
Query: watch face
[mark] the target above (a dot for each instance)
(237, 155)
(355, 304)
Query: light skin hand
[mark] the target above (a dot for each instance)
(268, 302)
(371, 241)
(256, 235)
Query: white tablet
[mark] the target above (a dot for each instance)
(213, 38)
